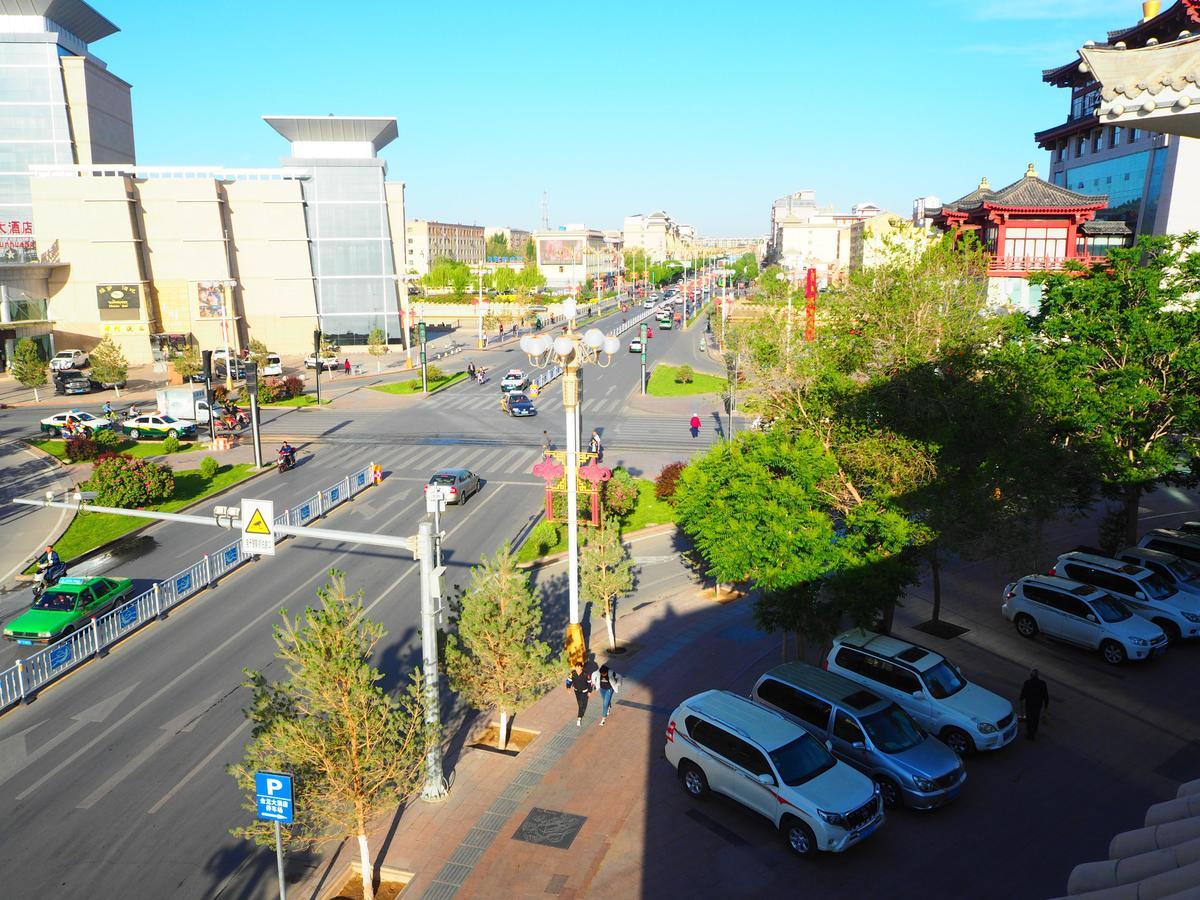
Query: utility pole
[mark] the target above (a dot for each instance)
(317, 359)
(431, 591)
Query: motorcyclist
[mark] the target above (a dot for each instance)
(47, 564)
(134, 412)
(287, 453)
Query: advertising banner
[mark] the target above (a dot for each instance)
(212, 299)
(118, 296)
(557, 251)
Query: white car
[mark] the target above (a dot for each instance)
(928, 687)
(328, 363)
(1152, 596)
(1183, 574)
(273, 366)
(53, 425)
(720, 742)
(1080, 614)
(649, 303)
(69, 359)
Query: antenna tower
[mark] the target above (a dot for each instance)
(545, 211)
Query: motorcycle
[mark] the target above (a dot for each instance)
(285, 461)
(47, 578)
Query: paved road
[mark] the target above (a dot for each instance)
(140, 739)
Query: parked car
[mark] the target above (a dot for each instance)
(463, 483)
(327, 362)
(1150, 595)
(65, 607)
(516, 403)
(872, 734)
(273, 366)
(635, 345)
(926, 685)
(1183, 544)
(158, 426)
(71, 381)
(69, 359)
(514, 380)
(53, 425)
(1080, 614)
(720, 742)
(1183, 574)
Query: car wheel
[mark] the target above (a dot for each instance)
(173, 433)
(800, 838)
(54, 432)
(958, 741)
(694, 781)
(889, 791)
(1170, 629)
(1113, 653)
(134, 433)
(1026, 626)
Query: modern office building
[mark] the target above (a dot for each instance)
(59, 104)
(1152, 179)
(428, 241)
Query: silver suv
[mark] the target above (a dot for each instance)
(1150, 595)
(1184, 544)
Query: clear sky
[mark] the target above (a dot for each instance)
(707, 110)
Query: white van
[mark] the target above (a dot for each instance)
(273, 365)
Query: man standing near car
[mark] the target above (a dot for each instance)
(1035, 697)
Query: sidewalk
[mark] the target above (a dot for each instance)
(466, 845)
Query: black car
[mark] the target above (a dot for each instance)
(73, 381)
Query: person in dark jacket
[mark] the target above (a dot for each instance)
(582, 686)
(1035, 697)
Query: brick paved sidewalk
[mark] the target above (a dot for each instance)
(464, 846)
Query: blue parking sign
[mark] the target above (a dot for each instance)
(273, 795)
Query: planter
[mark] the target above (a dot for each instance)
(518, 740)
(390, 884)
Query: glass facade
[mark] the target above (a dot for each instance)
(1123, 179)
(1157, 168)
(33, 129)
(351, 249)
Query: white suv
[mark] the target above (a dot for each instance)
(68, 359)
(1080, 614)
(721, 742)
(1149, 594)
(928, 687)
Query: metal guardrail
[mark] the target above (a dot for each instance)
(23, 680)
(546, 377)
(635, 321)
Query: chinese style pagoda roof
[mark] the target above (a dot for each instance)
(1104, 226)
(1155, 87)
(1028, 193)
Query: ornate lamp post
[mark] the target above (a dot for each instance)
(571, 350)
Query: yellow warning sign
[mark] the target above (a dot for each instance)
(257, 524)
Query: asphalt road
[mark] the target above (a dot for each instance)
(112, 782)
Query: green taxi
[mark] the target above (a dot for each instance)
(66, 607)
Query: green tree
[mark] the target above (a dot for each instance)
(497, 245)
(531, 279)
(494, 655)
(745, 268)
(377, 347)
(605, 574)
(353, 749)
(1114, 352)
(530, 252)
(28, 367)
(109, 365)
(258, 353)
(798, 610)
(187, 362)
(773, 285)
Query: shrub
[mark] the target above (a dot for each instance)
(270, 390)
(544, 536)
(684, 375)
(81, 448)
(107, 439)
(620, 494)
(170, 444)
(208, 468)
(668, 480)
(433, 373)
(127, 482)
(293, 385)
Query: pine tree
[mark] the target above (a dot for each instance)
(258, 353)
(352, 748)
(494, 657)
(605, 574)
(109, 365)
(187, 363)
(377, 346)
(28, 366)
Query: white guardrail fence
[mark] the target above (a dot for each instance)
(22, 681)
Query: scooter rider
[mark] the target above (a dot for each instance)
(47, 565)
(287, 454)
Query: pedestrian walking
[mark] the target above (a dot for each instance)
(471, 370)
(347, 365)
(694, 425)
(596, 447)
(582, 686)
(545, 444)
(1035, 697)
(607, 682)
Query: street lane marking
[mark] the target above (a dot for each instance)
(196, 769)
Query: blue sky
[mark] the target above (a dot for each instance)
(707, 110)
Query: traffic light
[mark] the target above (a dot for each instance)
(252, 376)
(206, 361)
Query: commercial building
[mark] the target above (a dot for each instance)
(428, 241)
(1113, 142)
(59, 104)
(806, 236)
(575, 255)
(656, 234)
(882, 232)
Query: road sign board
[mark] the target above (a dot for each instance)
(273, 796)
(258, 527)
(436, 496)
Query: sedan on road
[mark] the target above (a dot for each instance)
(462, 483)
(516, 403)
(514, 380)
(53, 425)
(635, 346)
(64, 608)
(158, 426)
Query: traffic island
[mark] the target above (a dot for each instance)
(518, 740)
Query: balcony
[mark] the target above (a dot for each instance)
(1024, 265)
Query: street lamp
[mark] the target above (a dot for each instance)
(571, 350)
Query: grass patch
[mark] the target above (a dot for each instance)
(662, 383)
(88, 531)
(413, 385)
(138, 449)
(298, 400)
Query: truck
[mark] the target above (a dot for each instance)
(183, 403)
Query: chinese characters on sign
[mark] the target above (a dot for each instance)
(16, 242)
(118, 296)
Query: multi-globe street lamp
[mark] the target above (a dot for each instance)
(571, 350)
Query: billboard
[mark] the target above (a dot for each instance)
(118, 296)
(212, 299)
(559, 251)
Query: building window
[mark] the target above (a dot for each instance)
(1039, 243)
(1114, 136)
(1135, 134)
(1079, 141)
(1097, 140)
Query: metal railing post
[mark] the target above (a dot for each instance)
(21, 680)
(158, 609)
(95, 639)
(208, 577)
(319, 513)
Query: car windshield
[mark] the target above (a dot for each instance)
(1157, 587)
(56, 601)
(892, 730)
(1110, 609)
(803, 759)
(1186, 571)
(443, 478)
(943, 681)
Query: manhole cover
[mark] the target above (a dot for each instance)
(549, 827)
